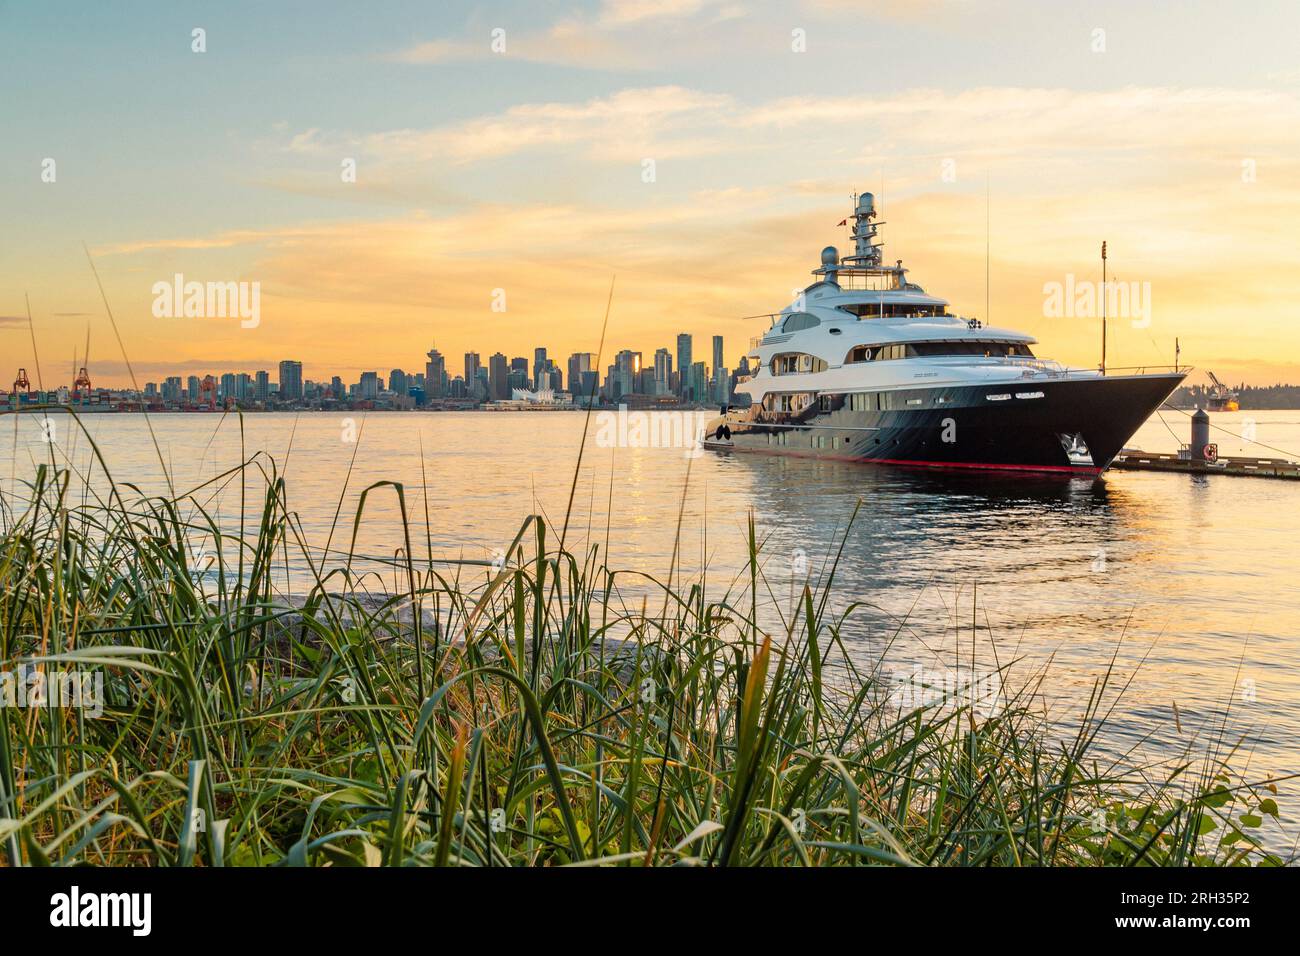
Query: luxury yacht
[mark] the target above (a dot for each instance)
(865, 365)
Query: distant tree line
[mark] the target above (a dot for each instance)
(1249, 396)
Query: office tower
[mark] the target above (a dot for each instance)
(498, 377)
(290, 381)
(472, 365)
(717, 354)
(578, 364)
(699, 385)
(397, 382)
(435, 374)
(663, 371)
(547, 375)
(684, 360)
(336, 388)
(369, 386)
(626, 373)
(539, 363)
(244, 387)
(722, 385)
(262, 386)
(192, 386)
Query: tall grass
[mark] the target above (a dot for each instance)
(510, 714)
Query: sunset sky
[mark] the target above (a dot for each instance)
(1177, 142)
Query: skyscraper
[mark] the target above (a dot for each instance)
(520, 377)
(579, 362)
(699, 383)
(663, 371)
(369, 386)
(435, 374)
(472, 365)
(498, 377)
(684, 360)
(262, 388)
(539, 363)
(290, 381)
(717, 353)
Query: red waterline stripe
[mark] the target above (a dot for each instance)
(1056, 469)
(1072, 469)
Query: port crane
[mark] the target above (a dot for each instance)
(1221, 398)
(22, 386)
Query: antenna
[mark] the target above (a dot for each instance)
(988, 317)
(1103, 307)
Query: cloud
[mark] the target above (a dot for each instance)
(663, 122)
(622, 35)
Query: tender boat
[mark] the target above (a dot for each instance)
(866, 366)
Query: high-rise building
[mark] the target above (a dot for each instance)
(472, 365)
(369, 389)
(262, 386)
(435, 374)
(171, 390)
(684, 360)
(539, 363)
(397, 383)
(699, 391)
(337, 389)
(717, 354)
(579, 363)
(192, 386)
(290, 381)
(498, 377)
(663, 371)
(626, 374)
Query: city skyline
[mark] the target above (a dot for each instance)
(500, 379)
(601, 142)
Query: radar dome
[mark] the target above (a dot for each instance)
(830, 256)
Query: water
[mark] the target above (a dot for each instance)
(1191, 584)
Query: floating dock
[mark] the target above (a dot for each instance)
(1133, 460)
(1201, 457)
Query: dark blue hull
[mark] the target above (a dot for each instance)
(1073, 425)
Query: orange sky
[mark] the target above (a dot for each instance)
(526, 174)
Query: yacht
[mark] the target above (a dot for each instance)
(867, 366)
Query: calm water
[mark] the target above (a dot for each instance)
(1193, 584)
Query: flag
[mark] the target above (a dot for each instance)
(842, 222)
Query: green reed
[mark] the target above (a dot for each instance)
(512, 714)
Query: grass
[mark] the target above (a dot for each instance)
(516, 714)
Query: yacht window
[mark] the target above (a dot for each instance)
(792, 363)
(798, 321)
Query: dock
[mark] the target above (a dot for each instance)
(1131, 459)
